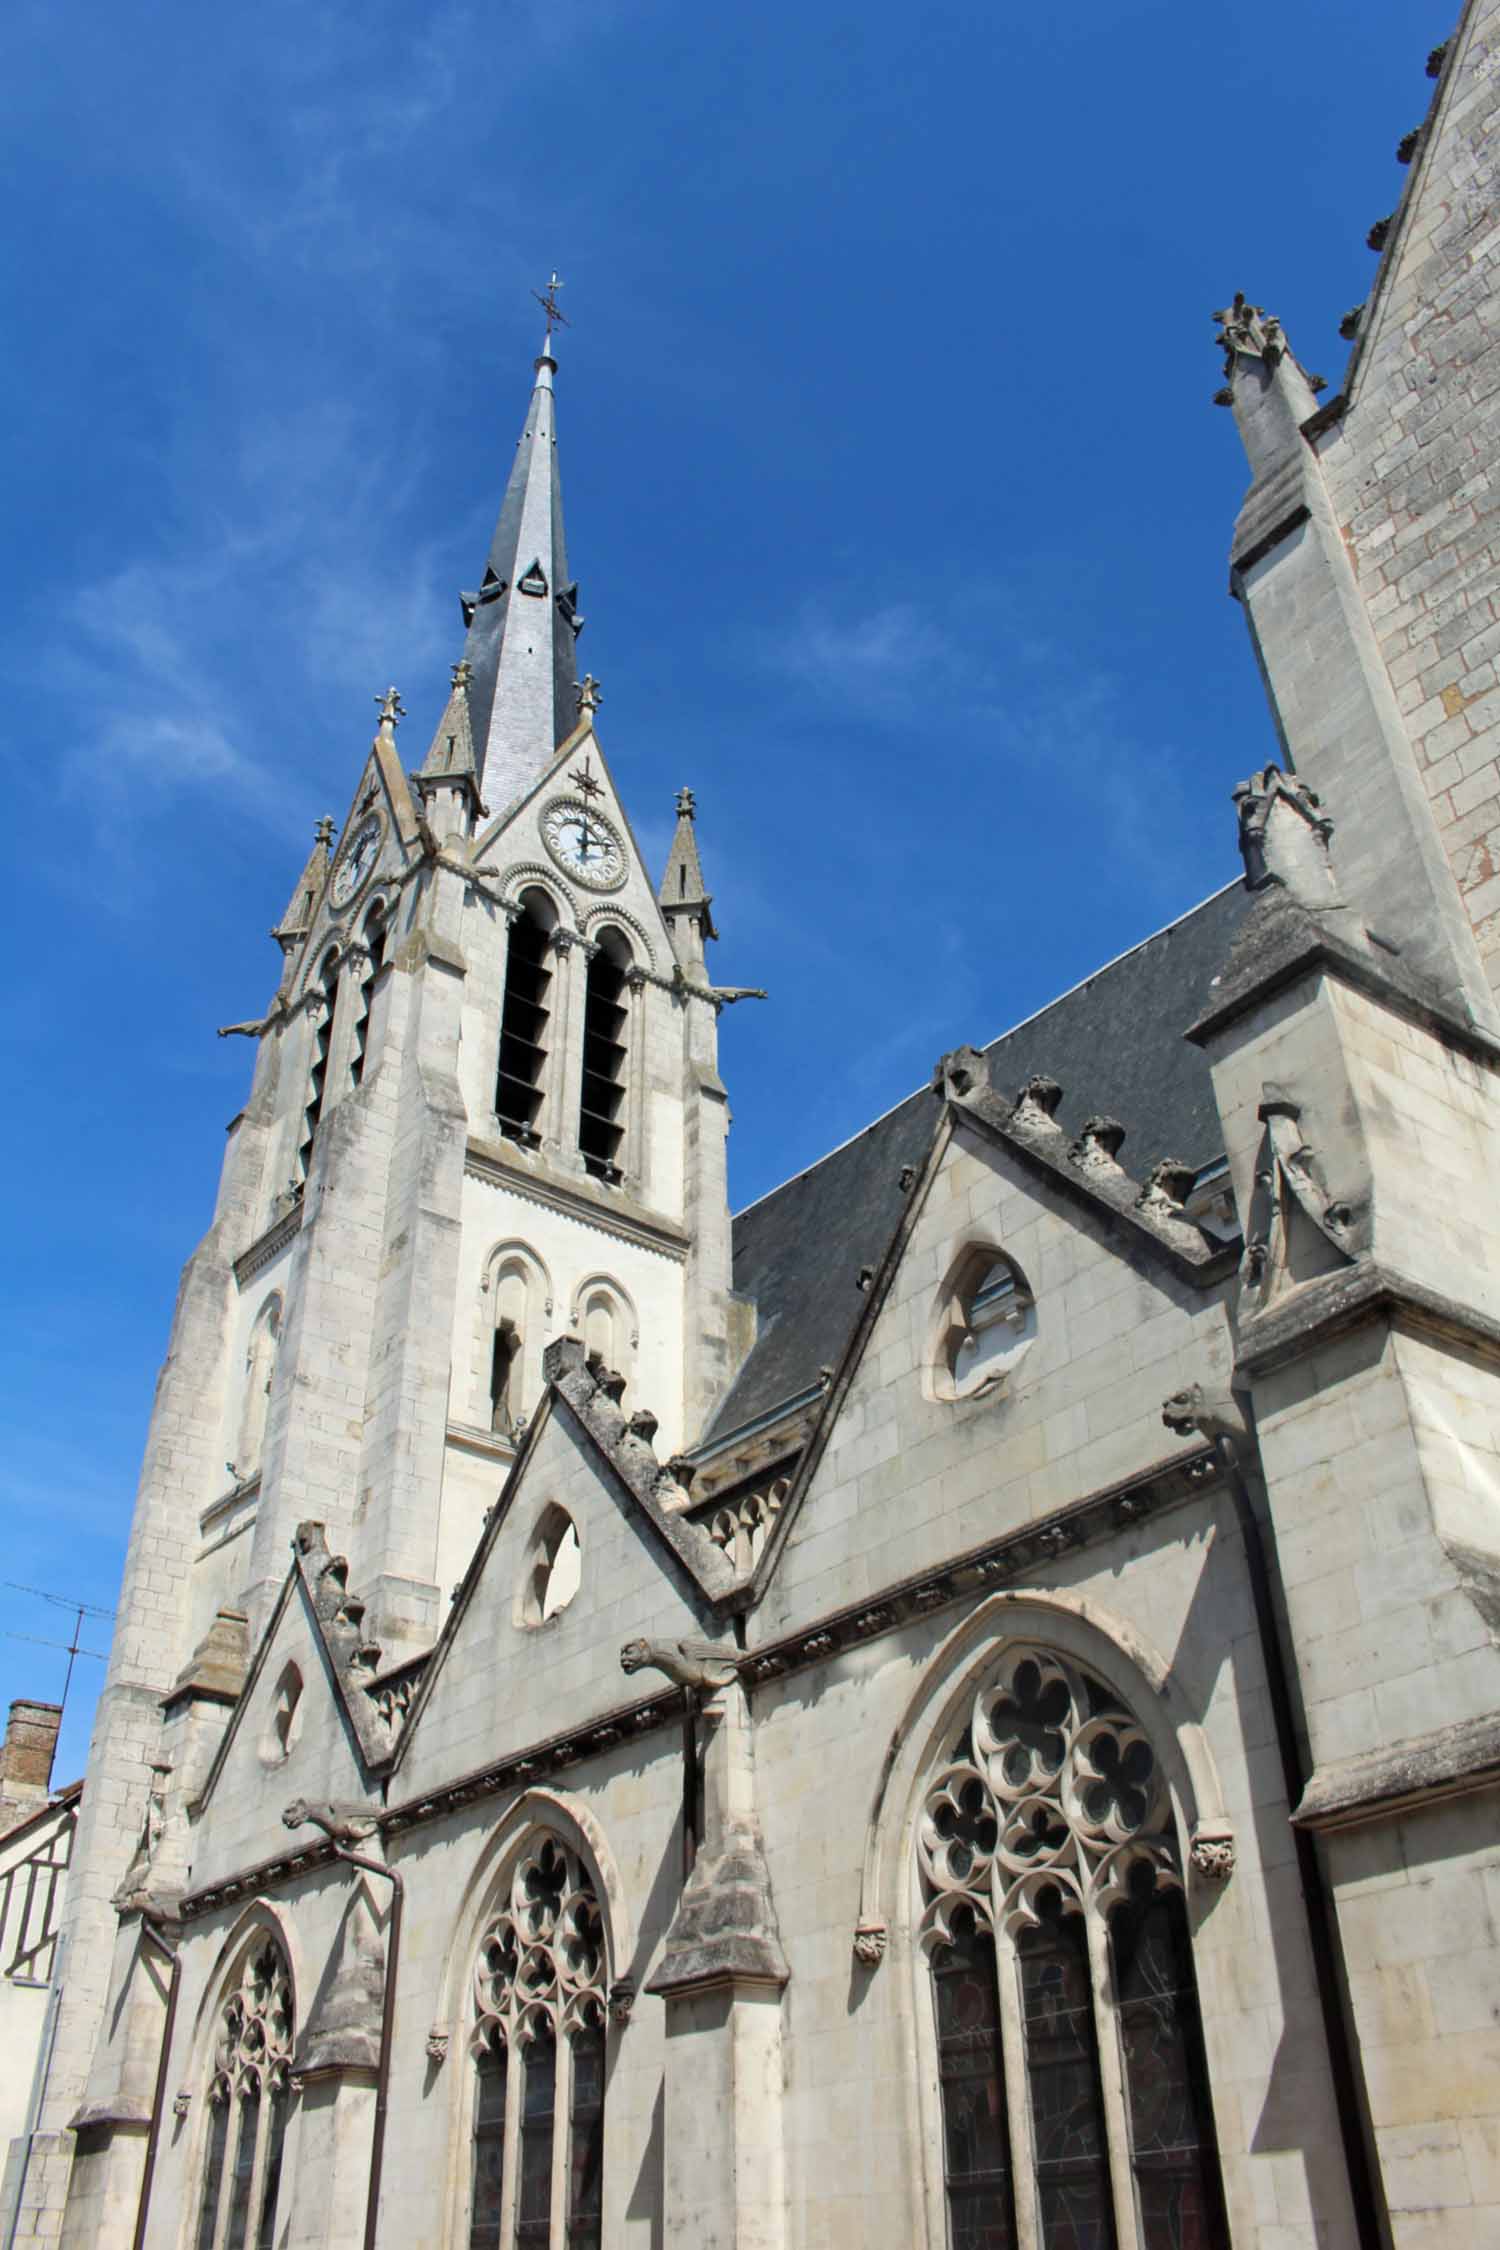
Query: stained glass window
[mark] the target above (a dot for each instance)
(248, 2096)
(538, 2043)
(1056, 1933)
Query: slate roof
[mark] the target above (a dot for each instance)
(1115, 1045)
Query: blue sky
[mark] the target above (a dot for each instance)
(895, 492)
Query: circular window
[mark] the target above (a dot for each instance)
(985, 1325)
(554, 1567)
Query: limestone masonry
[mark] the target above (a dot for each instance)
(961, 1707)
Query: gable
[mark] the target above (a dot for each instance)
(1114, 1043)
(238, 1822)
(905, 1478)
(503, 1675)
(525, 846)
(374, 846)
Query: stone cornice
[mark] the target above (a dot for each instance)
(629, 1222)
(978, 1570)
(998, 1562)
(268, 1245)
(1336, 1303)
(1451, 1761)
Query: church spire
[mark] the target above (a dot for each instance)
(523, 617)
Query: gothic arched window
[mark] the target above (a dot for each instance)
(607, 1325)
(524, 1017)
(248, 2097)
(538, 2050)
(1071, 2068)
(375, 937)
(601, 1108)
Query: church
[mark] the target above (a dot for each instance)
(957, 1707)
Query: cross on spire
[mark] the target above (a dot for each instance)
(547, 299)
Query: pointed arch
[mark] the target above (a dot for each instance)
(244, 2036)
(522, 2148)
(1032, 1845)
(1092, 1636)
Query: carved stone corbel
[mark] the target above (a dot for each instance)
(869, 1944)
(1213, 1856)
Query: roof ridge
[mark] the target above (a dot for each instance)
(1009, 1032)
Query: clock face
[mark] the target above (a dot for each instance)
(358, 862)
(583, 842)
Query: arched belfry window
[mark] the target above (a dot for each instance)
(601, 1109)
(525, 1017)
(1070, 2057)
(248, 2098)
(317, 1073)
(538, 2050)
(375, 942)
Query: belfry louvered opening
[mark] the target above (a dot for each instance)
(520, 1081)
(601, 1114)
(317, 1075)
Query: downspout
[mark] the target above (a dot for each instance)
(1371, 2219)
(152, 1936)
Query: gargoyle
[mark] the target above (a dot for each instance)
(341, 1824)
(692, 1664)
(1214, 1414)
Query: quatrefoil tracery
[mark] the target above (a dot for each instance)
(1054, 1795)
(541, 1966)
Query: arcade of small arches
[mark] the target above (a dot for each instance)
(514, 1319)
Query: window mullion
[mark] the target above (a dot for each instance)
(226, 2173)
(515, 2094)
(1017, 2105)
(258, 2163)
(1112, 2084)
(562, 2138)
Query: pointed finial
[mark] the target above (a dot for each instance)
(556, 317)
(589, 694)
(461, 674)
(392, 709)
(323, 833)
(687, 805)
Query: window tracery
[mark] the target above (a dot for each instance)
(1070, 2050)
(249, 2096)
(986, 1323)
(538, 2048)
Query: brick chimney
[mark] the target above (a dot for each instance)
(26, 1759)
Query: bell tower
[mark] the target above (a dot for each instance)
(484, 1114)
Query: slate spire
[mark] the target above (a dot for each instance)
(523, 618)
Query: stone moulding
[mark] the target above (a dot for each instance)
(1116, 1507)
(1452, 1761)
(268, 1245)
(1051, 1539)
(1337, 1303)
(481, 1162)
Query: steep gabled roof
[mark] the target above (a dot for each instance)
(1114, 1043)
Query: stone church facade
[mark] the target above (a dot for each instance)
(961, 1707)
